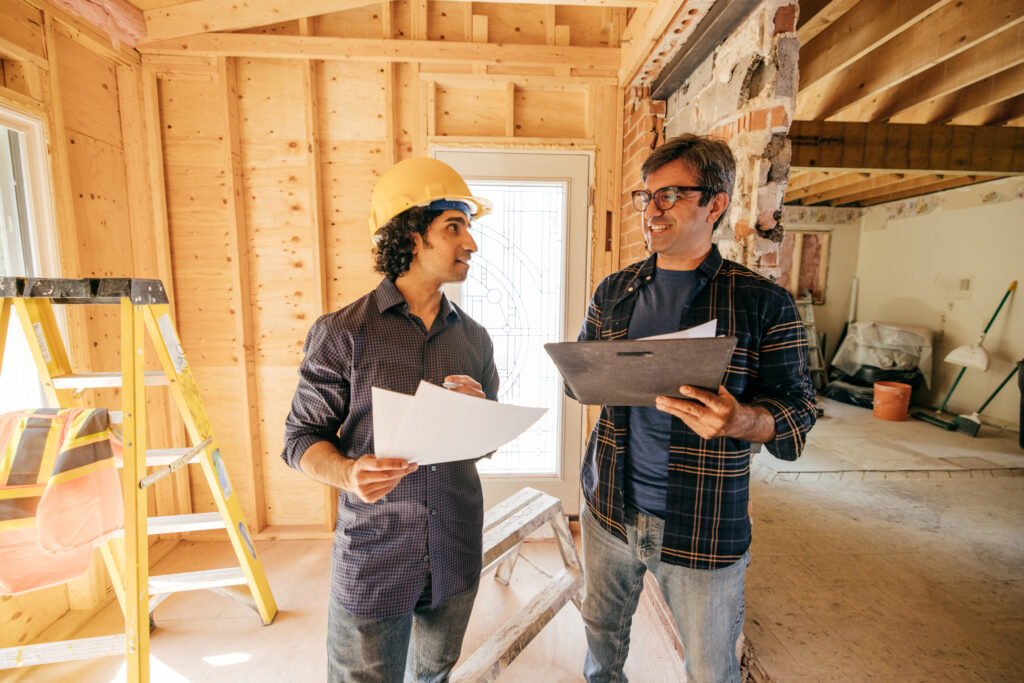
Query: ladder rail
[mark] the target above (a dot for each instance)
(144, 310)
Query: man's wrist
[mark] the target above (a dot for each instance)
(755, 424)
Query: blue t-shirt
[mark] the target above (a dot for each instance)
(659, 307)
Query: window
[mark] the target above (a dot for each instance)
(27, 243)
(528, 286)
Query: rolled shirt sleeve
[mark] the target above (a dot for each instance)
(321, 399)
(784, 383)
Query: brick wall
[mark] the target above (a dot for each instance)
(745, 93)
(642, 129)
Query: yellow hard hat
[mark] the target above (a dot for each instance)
(417, 181)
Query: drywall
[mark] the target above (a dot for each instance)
(914, 257)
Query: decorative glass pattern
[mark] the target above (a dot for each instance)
(515, 290)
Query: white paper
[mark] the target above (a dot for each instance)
(703, 331)
(440, 425)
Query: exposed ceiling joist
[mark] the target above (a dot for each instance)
(871, 183)
(817, 15)
(942, 34)
(1002, 86)
(866, 26)
(385, 50)
(947, 183)
(832, 182)
(1009, 112)
(989, 57)
(824, 145)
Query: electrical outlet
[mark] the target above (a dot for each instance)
(965, 284)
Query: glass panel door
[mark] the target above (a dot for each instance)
(527, 286)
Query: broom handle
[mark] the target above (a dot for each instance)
(998, 389)
(950, 393)
(1009, 291)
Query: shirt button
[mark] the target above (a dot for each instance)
(426, 558)
(433, 512)
(433, 468)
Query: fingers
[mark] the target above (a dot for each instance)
(373, 478)
(466, 385)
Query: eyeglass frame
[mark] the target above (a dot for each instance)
(679, 189)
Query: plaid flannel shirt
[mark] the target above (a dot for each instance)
(707, 523)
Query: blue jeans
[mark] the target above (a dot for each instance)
(421, 646)
(707, 605)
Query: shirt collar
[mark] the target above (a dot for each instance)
(707, 269)
(388, 297)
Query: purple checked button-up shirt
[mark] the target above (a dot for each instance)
(431, 523)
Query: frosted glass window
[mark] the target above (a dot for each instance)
(515, 290)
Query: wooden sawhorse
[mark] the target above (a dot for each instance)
(506, 526)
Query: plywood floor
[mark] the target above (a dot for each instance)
(202, 636)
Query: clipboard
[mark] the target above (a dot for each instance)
(633, 372)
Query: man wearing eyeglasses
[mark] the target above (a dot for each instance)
(667, 487)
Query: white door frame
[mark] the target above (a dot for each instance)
(575, 169)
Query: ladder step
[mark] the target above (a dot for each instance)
(178, 524)
(61, 651)
(161, 457)
(191, 581)
(99, 380)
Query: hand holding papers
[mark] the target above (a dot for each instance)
(438, 425)
(634, 372)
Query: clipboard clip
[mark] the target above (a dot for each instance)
(635, 353)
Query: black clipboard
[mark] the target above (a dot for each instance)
(633, 372)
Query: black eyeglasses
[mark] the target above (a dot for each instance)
(664, 198)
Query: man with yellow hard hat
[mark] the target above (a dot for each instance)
(408, 545)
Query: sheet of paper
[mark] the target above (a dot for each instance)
(439, 425)
(393, 405)
(703, 331)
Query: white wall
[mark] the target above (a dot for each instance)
(844, 226)
(913, 256)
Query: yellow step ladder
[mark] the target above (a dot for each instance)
(144, 309)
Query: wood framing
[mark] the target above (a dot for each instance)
(824, 145)
(584, 59)
(239, 268)
(939, 36)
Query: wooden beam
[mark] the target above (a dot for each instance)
(946, 184)
(1005, 113)
(371, 50)
(311, 107)
(498, 81)
(824, 145)
(836, 180)
(1002, 86)
(86, 34)
(241, 324)
(941, 35)
(870, 183)
(800, 179)
(866, 26)
(205, 16)
(908, 182)
(645, 30)
(817, 15)
(989, 57)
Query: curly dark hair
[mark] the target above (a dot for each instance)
(394, 243)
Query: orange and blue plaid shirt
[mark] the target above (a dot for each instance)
(707, 522)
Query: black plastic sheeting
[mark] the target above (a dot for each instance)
(858, 389)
